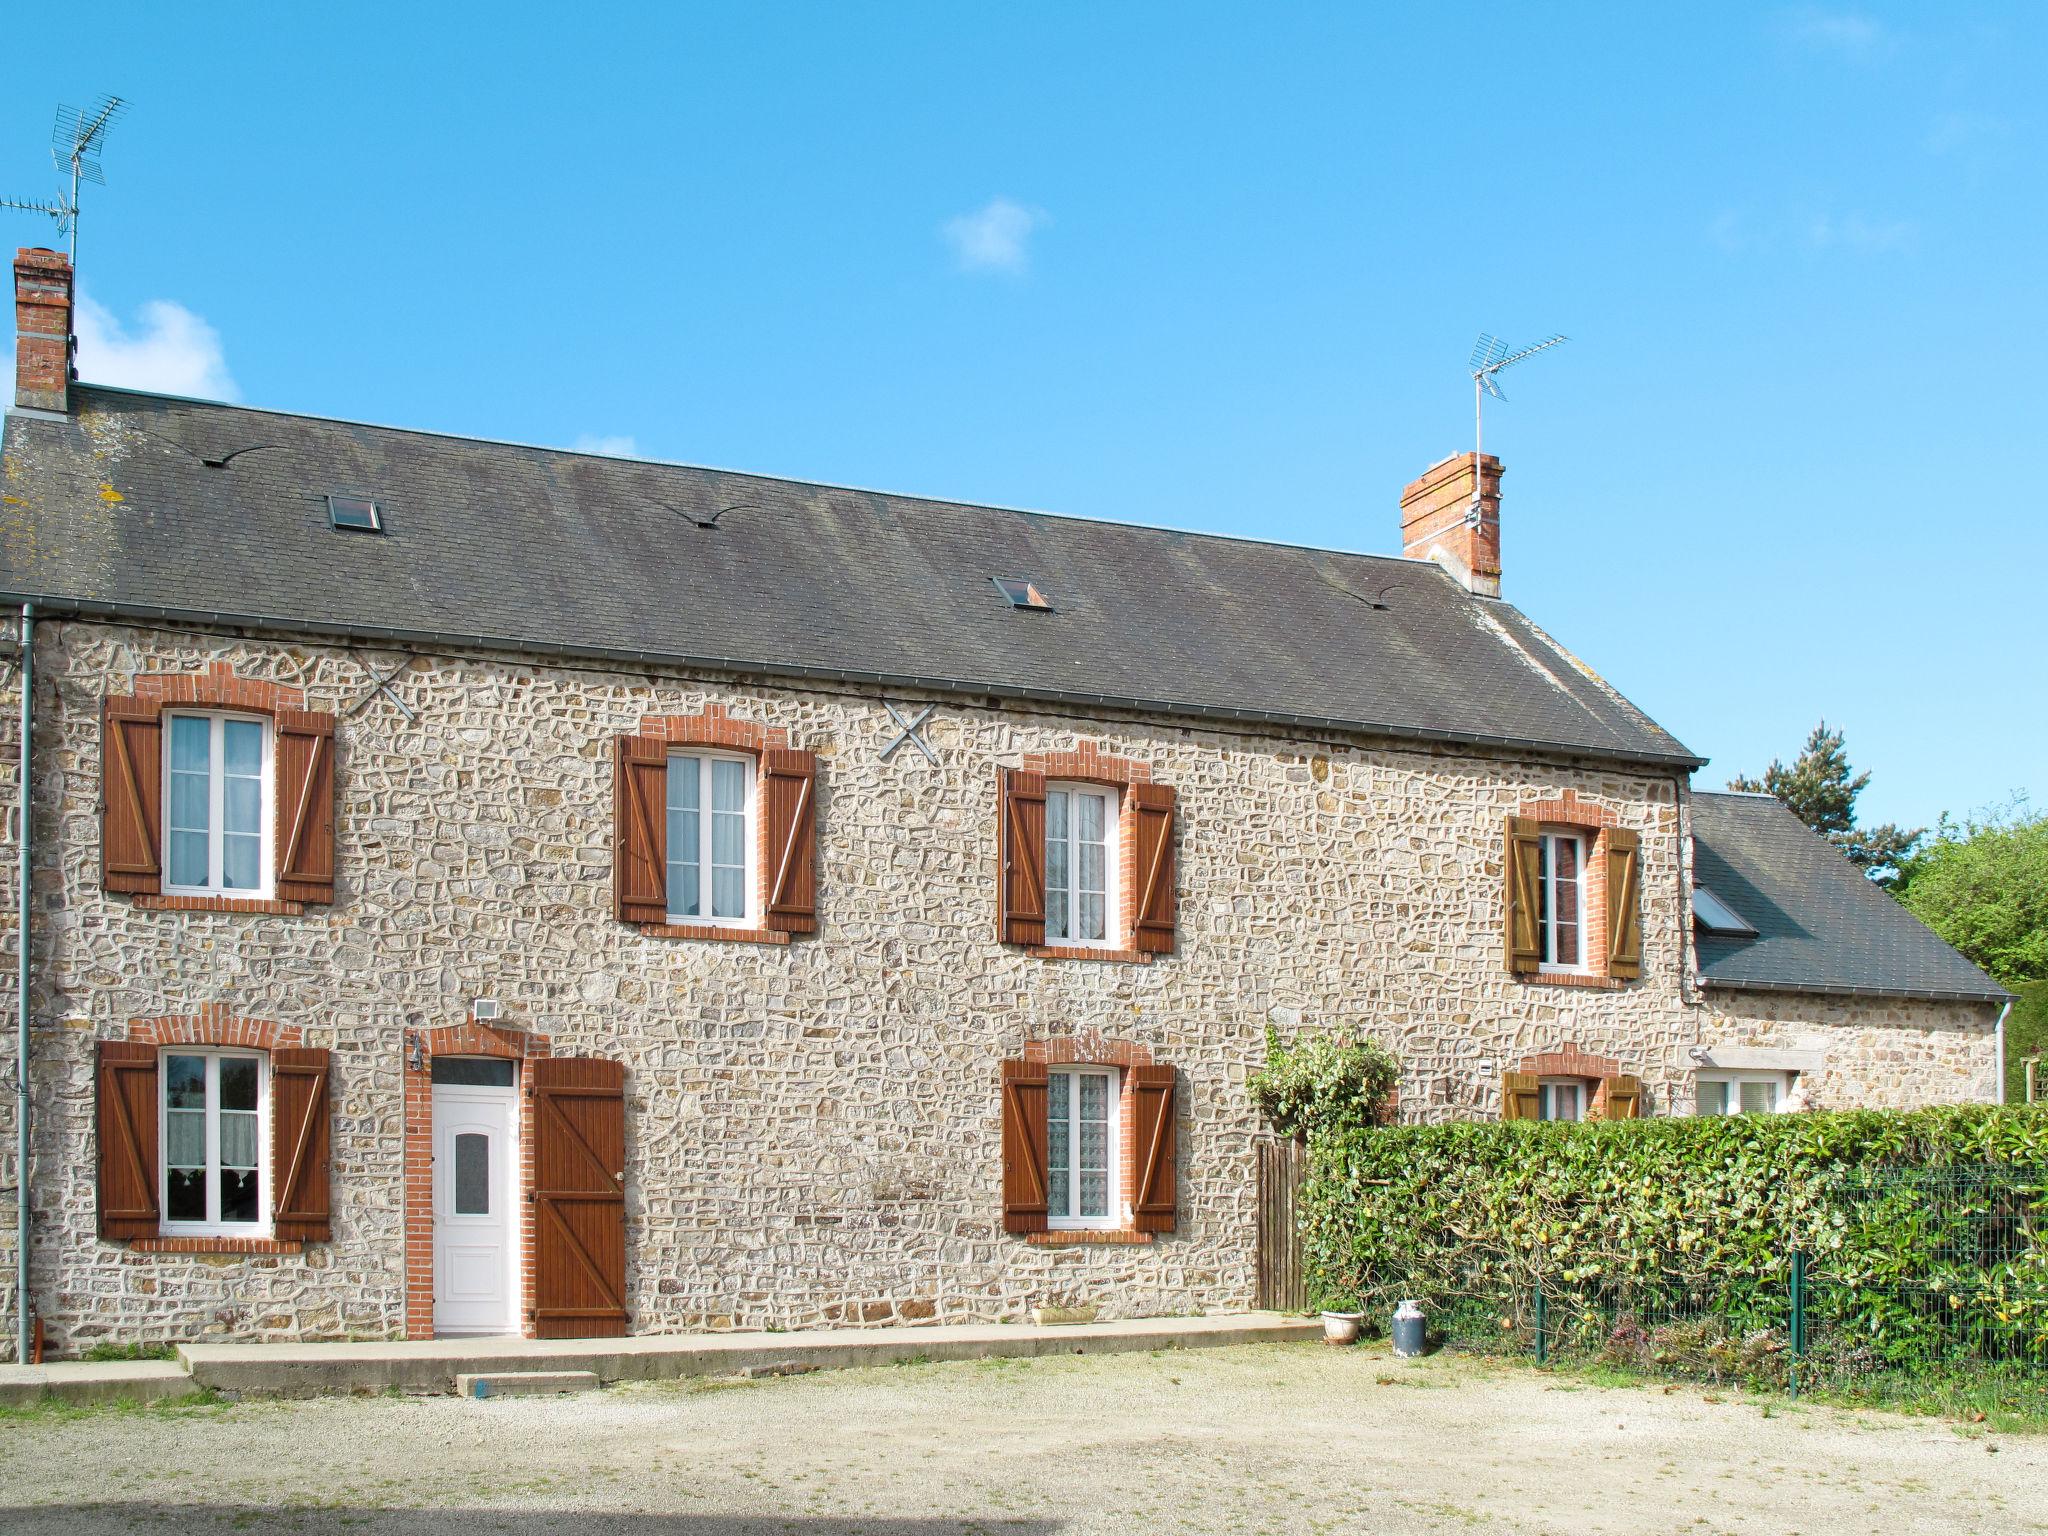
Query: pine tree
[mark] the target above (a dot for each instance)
(1821, 789)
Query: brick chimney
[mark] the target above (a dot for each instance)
(42, 325)
(1437, 521)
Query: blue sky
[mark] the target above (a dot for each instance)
(1211, 266)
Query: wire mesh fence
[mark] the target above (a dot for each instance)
(1910, 1272)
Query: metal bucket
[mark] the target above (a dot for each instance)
(1409, 1330)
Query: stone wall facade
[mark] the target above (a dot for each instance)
(1862, 1053)
(813, 1128)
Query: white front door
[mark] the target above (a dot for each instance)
(476, 1233)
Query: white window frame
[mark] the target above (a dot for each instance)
(1112, 863)
(1547, 913)
(1782, 1081)
(213, 1226)
(1547, 1094)
(1113, 1217)
(750, 917)
(216, 807)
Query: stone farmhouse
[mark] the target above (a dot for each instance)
(484, 888)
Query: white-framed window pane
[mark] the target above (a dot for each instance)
(1713, 1096)
(685, 818)
(728, 838)
(191, 744)
(1092, 1120)
(213, 1139)
(1059, 879)
(1759, 1097)
(242, 749)
(242, 862)
(1566, 945)
(190, 814)
(1058, 1158)
(185, 1082)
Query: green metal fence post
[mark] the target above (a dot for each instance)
(1542, 1343)
(1798, 1316)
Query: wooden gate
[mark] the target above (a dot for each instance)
(579, 1197)
(1282, 1287)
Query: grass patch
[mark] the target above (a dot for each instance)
(201, 1400)
(107, 1350)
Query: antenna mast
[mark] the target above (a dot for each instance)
(1489, 356)
(75, 145)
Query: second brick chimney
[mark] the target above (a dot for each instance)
(1440, 522)
(42, 329)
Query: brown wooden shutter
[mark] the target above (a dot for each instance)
(579, 1197)
(305, 806)
(1524, 929)
(127, 1137)
(640, 829)
(1152, 815)
(300, 1139)
(1024, 1147)
(1519, 1096)
(1624, 902)
(131, 796)
(1624, 1097)
(789, 805)
(1021, 886)
(1156, 1143)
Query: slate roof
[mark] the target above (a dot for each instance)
(1821, 925)
(114, 510)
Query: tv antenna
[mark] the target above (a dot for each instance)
(1489, 356)
(75, 144)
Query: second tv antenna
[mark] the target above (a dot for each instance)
(75, 144)
(1489, 356)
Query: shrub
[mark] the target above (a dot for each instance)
(1324, 1083)
(1925, 1233)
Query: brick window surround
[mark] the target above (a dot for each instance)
(715, 727)
(1569, 1061)
(1571, 814)
(421, 1047)
(1089, 764)
(214, 1025)
(1092, 1050)
(217, 688)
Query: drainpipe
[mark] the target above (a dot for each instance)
(28, 687)
(2000, 1030)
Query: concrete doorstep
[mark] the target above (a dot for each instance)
(433, 1365)
(94, 1381)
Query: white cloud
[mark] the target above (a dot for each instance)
(617, 445)
(995, 237)
(1845, 34)
(1856, 233)
(172, 351)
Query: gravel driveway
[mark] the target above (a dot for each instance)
(1279, 1438)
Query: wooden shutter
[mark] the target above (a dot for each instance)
(131, 796)
(1152, 831)
(127, 1137)
(579, 1197)
(1624, 1097)
(300, 1139)
(1624, 902)
(1152, 1207)
(1021, 887)
(1024, 1147)
(640, 829)
(1524, 930)
(305, 806)
(1519, 1096)
(789, 807)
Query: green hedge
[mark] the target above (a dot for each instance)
(1925, 1233)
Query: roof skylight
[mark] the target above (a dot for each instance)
(1022, 593)
(1713, 915)
(357, 514)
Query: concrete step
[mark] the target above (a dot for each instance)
(94, 1381)
(432, 1365)
(525, 1383)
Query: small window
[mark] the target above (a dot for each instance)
(355, 514)
(1022, 593)
(473, 1071)
(1080, 864)
(1710, 914)
(214, 1130)
(1082, 1106)
(1742, 1093)
(710, 837)
(1561, 1098)
(217, 818)
(1562, 901)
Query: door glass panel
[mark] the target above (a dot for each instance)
(472, 1174)
(473, 1071)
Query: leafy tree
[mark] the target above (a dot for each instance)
(1820, 788)
(1983, 886)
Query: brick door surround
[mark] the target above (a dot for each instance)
(468, 1039)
